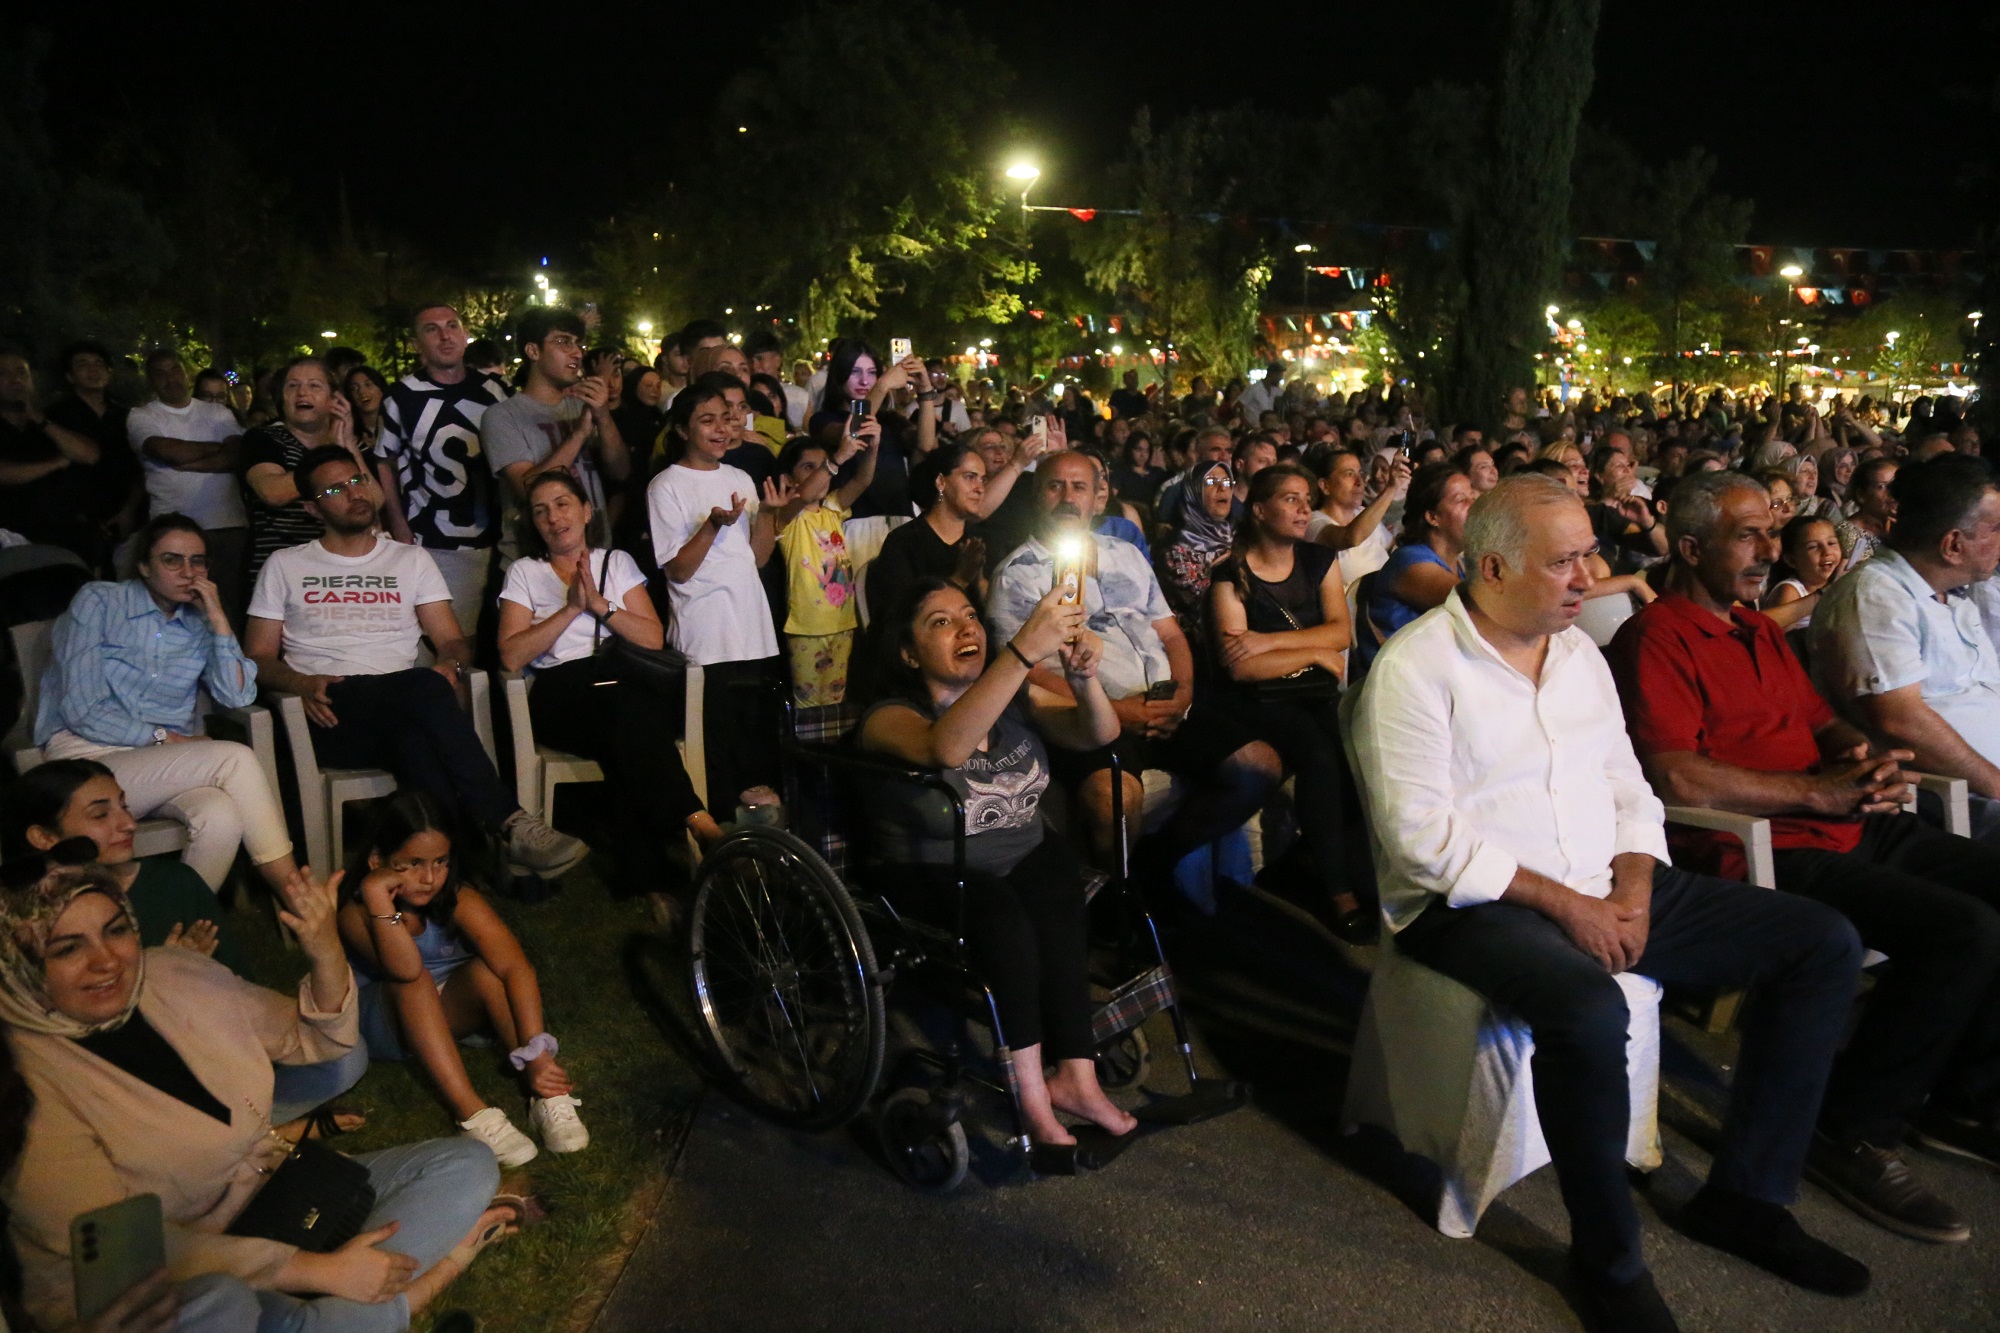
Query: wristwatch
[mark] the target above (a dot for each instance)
(160, 735)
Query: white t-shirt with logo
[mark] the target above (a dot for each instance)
(348, 615)
(721, 614)
(209, 498)
(536, 585)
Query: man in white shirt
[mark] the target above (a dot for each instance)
(337, 622)
(1900, 648)
(190, 450)
(1524, 855)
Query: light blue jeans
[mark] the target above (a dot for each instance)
(436, 1190)
(299, 1089)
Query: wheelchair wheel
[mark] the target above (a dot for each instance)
(926, 1151)
(785, 981)
(1123, 1061)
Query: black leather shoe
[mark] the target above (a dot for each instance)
(1960, 1136)
(1621, 1307)
(1876, 1183)
(1771, 1238)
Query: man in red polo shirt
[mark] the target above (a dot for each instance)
(1722, 715)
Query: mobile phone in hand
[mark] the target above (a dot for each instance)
(1159, 691)
(113, 1248)
(899, 350)
(1069, 570)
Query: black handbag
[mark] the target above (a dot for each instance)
(662, 670)
(317, 1200)
(1309, 684)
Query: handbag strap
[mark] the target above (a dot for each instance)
(604, 569)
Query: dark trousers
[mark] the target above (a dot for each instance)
(630, 731)
(1026, 930)
(409, 722)
(1307, 737)
(741, 713)
(1927, 900)
(1802, 960)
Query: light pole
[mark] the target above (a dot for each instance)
(1027, 173)
(1304, 251)
(1791, 273)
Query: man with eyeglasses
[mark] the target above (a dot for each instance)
(437, 489)
(560, 419)
(338, 621)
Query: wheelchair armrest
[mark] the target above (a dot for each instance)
(253, 726)
(1954, 792)
(1753, 830)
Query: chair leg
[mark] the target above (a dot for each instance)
(336, 822)
(547, 789)
(1722, 1011)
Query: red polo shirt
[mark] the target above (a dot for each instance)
(1736, 695)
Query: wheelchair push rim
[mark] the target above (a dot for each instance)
(785, 981)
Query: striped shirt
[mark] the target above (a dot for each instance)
(430, 433)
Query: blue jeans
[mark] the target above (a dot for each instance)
(299, 1089)
(436, 1190)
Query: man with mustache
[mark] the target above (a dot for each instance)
(1723, 716)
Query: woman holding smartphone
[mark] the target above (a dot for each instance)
(856, 387)
(127, 662)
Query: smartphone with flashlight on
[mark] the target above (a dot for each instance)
(1070, 570)
(899, 351)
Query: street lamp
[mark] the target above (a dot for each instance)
(1791, 273)
(1027, 173)
(1302, 250)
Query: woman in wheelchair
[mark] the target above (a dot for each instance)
(945, 707)
(436, 963)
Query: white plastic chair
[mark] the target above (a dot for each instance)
(1450, 1074)
(864, 538)
(325, 792)
(1600, 617)
(540, 769)
(159, 836)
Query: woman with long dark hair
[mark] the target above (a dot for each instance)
(436, 963)
(1425, 566)
(1279, 613)
(855, 375)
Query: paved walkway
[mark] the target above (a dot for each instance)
(1267, 1218)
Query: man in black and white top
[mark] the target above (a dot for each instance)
(1524, 855)
(560, 419)
(337, 622)
(439, 493)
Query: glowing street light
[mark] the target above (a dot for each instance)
(1792, 271)
(328, 334)
(645, 327)
(1027, 173)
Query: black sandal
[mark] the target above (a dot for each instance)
(324, 1123)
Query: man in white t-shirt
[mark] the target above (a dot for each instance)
(190, 451)
(338, 621)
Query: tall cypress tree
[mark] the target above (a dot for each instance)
(1516, 230)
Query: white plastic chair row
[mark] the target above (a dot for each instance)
(540, 769)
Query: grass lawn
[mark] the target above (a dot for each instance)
(638, 1091)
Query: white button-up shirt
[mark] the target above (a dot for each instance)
(1473, 771)
(1883, 628)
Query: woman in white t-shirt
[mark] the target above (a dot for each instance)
(557, 608)
(711, 537)
(1346, 520)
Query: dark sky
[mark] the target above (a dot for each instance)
(1833, 116)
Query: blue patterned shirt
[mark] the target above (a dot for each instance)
(122, 668)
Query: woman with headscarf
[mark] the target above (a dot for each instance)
(151, 1072)
(1203, 537)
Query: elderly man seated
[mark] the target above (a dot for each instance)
(1148, 671)
(1722, 715)
(1527, 859)
(1899, 646)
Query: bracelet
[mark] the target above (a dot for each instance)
(394, 918)
(1020, 656)
(543, 1043)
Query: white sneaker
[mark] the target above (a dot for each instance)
(556, 1120)
(510, 1146)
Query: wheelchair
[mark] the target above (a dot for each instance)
(791, 971)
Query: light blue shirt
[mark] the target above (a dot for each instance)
(1123, 599)
(1882, 628)
(122, 668)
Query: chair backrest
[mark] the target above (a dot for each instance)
(32, 653)
(864, 537)
(1600, 617)
(527, 764)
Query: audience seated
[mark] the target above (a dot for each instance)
(127, 661)
(1871, 508)
(143, 1064)
(1279, 612)
(337, 622)
(1201, 538)
(1527, 860)
(1810, 550)
(1212, 444)
(436, 964)
(946, 708)
(1148, 671)
(560, 605)
(1350, 523)
(1425, 565)
(1900, 647)
(1722, 716)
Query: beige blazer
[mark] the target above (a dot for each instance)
(98, 1135)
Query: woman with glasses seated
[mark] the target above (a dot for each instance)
(127, 662)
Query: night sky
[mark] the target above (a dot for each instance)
(1837, 119)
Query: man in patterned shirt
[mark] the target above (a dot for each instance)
(437, 488)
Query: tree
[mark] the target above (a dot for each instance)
(1514, 239)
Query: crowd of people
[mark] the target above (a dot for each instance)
(1544, 627)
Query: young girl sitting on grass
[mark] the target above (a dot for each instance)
(819, 576)
(436, 963)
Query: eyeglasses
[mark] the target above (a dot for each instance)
(340, 488)
(175, 560)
